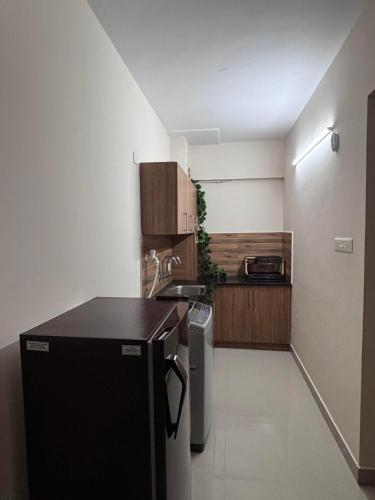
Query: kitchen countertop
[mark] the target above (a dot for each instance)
(238, 279)
(209, 296)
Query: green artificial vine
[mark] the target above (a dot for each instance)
(211, 273)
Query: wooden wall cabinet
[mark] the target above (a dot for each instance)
(253, 316)
(168, 199)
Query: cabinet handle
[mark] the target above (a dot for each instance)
(186, 221)
(191, 225)
(195, 224)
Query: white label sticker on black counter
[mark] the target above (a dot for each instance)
(34, 345)
(131, 350)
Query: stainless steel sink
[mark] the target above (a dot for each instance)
(185, 290)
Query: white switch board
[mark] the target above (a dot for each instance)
(344, 245)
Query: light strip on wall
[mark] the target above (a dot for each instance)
(325, 133)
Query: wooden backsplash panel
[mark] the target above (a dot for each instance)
(186, 248)
(183, 246)
(230, 249)
(163, 247)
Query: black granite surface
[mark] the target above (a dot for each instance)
(208, 298)
(242, 280)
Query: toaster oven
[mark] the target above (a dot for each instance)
(264, 265)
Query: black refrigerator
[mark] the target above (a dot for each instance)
(107, 410)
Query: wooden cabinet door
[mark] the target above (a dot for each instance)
(271, 314)
(158, 183)
(252, 316)
(193, 212)
(187, 203)
(233, 315)
(183, 196)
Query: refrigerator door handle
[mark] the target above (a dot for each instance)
(174, 363)
(165, 332)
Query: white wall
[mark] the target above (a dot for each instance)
(247, 205)
(70, 117)
(325, 197)
(179, 151)
(230, 160)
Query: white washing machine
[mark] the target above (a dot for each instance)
(201, 371)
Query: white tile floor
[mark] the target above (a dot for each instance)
(269, 440)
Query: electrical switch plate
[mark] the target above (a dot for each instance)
(344, 245)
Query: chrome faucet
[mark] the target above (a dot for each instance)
(166, 265)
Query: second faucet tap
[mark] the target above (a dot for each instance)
(166, 265)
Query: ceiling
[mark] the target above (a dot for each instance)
(245, 67)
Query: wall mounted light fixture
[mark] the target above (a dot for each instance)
(335, 141)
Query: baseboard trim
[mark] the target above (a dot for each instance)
(251, 345)
(363, 475)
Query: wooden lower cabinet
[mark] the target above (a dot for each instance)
(253, 316)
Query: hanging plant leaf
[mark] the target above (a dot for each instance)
(211, 273)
